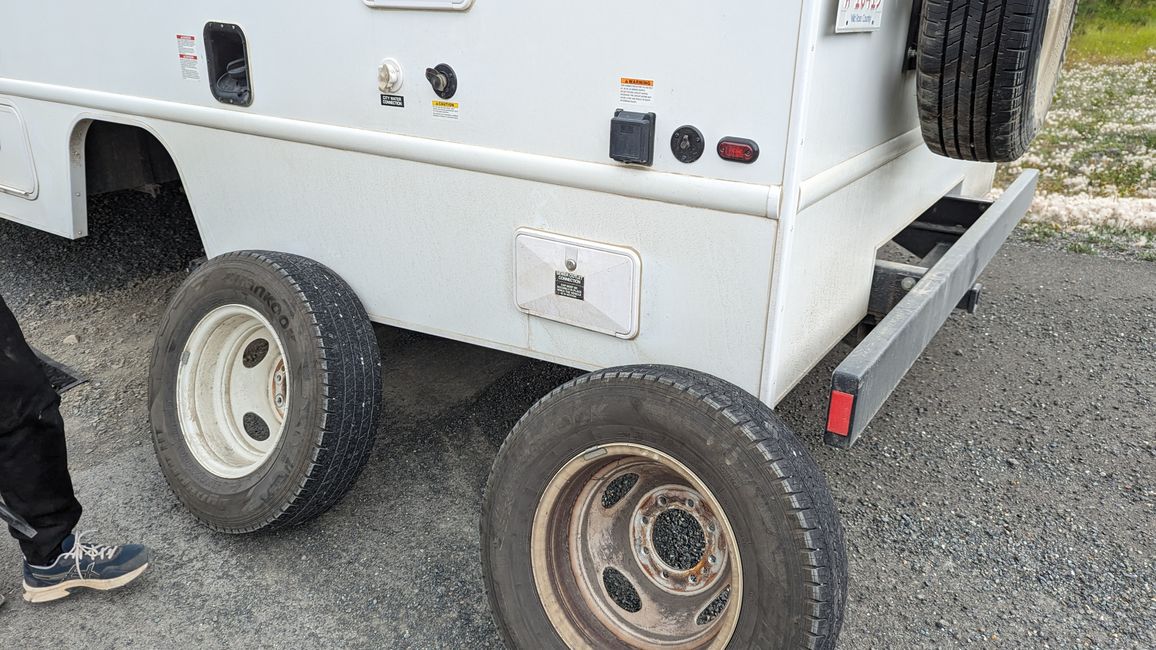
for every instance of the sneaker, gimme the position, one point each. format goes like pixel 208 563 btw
pixel 82 564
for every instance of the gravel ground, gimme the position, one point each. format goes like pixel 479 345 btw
pixel 1003 497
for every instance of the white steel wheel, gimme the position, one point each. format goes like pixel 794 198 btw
pixel 232 391
pixel 627 539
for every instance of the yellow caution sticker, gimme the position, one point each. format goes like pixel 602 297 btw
pixel 446 110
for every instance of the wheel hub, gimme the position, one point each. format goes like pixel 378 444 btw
pixel 677 540
pixel 629 546
pixel 232 391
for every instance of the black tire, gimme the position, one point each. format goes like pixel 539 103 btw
pixel 787 528
pixel 986 73
pixel 335 386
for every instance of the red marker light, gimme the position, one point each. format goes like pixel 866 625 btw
pixel 839 417
pixel 738 150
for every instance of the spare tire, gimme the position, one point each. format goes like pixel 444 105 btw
pixel 986 73
pixel 265 390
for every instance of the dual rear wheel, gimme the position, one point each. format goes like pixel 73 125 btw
pixel 642 507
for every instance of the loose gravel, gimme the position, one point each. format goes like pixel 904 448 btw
pixel 1003 497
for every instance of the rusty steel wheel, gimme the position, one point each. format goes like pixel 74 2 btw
pixel 627 540
pixel 660 508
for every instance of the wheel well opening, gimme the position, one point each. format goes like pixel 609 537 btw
pixel 125 157
pixel 128 193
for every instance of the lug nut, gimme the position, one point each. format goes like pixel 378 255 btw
pixel 662 501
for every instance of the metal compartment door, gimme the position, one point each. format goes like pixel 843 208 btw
pixel 17 173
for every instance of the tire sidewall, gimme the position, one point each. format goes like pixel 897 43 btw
pixel 1043 80
pixel 249 502
pixel 774 606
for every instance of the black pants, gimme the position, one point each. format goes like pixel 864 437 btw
pixel 34 479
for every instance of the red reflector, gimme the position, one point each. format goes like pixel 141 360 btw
pixel 738 150
pixel 839 417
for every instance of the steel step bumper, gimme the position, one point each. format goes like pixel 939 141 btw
pixel 867 376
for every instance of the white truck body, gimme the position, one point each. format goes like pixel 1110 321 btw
pixel 751 272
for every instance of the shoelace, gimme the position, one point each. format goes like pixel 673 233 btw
pixel 80 550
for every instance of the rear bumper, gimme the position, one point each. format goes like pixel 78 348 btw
pixel 866 378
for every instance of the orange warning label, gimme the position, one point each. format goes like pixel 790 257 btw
pixel 635 91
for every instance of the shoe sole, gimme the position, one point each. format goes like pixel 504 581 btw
pixel 64 589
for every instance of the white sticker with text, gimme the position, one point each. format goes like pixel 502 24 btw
pixel 187 54
pixel 859 16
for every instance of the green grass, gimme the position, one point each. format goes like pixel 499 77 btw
pixel 1093 239
pixel 1114 31
pixel 1038 231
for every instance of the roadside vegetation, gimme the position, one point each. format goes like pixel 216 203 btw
pixel 1114 31
pixel 1097 152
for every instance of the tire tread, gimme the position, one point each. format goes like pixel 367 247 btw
pixel 974 76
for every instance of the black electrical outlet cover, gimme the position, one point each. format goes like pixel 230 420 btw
pixel 632 137
pixel 687 144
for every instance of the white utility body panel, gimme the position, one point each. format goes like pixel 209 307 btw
pixel 457 216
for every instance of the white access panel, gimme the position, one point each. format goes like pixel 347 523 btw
pixel 455 5
pixel 582 283
pixel 17 174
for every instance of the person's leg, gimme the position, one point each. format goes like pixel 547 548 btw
pixel 34 479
